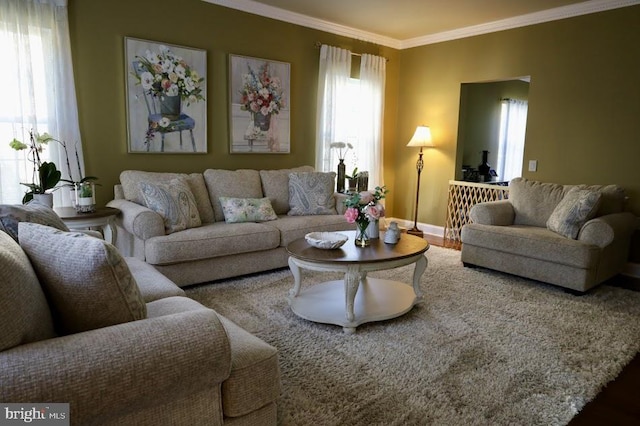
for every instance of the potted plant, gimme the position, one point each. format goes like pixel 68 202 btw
pixel 353 180
pixel 83 189
pixel 45 174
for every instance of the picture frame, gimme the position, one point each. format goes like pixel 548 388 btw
pixel 166 90
pixel 259 107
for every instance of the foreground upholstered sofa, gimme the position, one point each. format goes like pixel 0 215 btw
pixel 574 236
pixel 215 248
pixel 120 342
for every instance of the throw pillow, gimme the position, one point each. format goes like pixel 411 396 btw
pixel 130 180
pixel 174 201
pixel 86 280
pixel 11 215
pixel 24 313
pixel 238 210
pixel 577 207
pixel 275 185
pixel 311 193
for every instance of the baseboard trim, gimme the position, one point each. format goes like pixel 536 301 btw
pixel 434 230
pixel 632 270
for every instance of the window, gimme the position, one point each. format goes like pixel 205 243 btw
pixel 513 123
pixel 14 166
pixel 350 110
pixel 38 91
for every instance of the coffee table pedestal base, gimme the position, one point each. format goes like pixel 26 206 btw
pixel 375 300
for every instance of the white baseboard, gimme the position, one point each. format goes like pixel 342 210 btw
pixel 437 231
pixel 632 270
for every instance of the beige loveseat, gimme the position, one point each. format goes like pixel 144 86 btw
pixel 216 249
pixel 574 236
pixel 120 342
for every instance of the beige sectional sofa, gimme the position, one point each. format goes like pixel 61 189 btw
pixel 216 249
pixel 117 340
pixel 574 236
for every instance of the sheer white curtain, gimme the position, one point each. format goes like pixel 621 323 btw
pixel 38 90
pixel 513 123
pixel 332 108
pixel 371 107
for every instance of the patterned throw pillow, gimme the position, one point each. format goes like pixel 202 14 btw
pixel 87 282
pixel 174 202
pixel 11 215
pixel 311 193
pixel 275 185
pixel 575 208
pixel 238 210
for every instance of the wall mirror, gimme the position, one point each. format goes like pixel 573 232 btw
pixel 491 130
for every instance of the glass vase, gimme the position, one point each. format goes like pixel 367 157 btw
pixel 362 239
pixel 85 197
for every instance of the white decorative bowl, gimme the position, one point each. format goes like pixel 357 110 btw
pixel 326 240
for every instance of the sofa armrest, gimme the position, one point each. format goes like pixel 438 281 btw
pixel 138 220
pixel 340 199
pixel 119 369
pixel 603 230
pixel 499 213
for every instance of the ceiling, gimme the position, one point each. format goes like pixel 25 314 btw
pixel 408 23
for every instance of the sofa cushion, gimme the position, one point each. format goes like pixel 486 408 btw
pixel 87 282
pixel 237 210
pixel 275 185
pixel 11 215
pixel 533 202
pixel 533 242
pixel 311 193
pixel 294 227
pixel 24 313
pixel 174 201
pixel 243 183
pixel 612 201
pixel 211 240
pixel 130 180
pixel 577 206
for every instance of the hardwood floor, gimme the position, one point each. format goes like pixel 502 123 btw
pixel 618 404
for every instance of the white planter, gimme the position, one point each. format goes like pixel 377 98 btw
pixel 45 199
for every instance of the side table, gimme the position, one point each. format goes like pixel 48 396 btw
pixel 103 219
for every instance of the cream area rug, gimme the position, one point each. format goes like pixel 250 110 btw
pixel 485 348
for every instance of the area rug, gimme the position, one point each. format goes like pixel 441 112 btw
pixel 483 348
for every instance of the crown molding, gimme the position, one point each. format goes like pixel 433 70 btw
pixel 548 15
pixel 563 12
pixel 261 9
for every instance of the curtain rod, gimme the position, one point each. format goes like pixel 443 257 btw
pixel 318 45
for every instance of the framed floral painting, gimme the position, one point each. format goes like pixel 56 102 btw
pixel 166 97
pixel 259 111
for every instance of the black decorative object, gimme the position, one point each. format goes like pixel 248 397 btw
pixel 341 175
pixel 484 169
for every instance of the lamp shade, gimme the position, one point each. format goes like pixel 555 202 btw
pixel 422 137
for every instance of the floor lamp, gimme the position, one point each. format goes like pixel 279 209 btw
pixel 421 138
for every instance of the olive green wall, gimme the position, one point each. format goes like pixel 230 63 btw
pixel 582 126
pixel 584 103
pixel 97 30
pixel 479 120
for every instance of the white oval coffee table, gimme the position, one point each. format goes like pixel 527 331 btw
pixel 356 299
